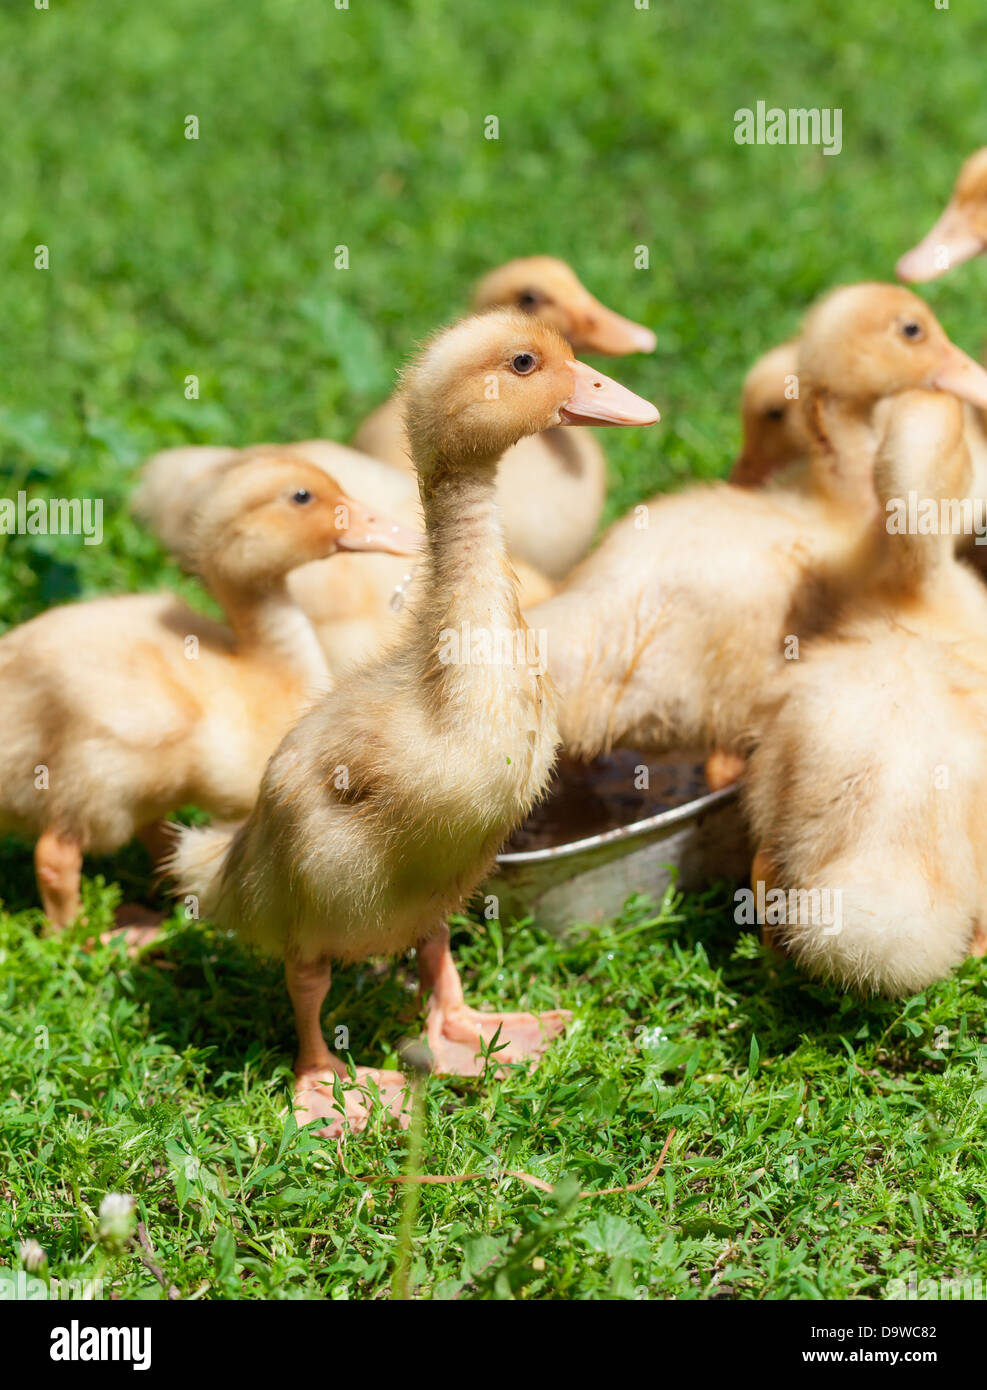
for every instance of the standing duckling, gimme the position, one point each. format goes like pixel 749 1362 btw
pixel 867 792
pixel 384 806
pixel 118 711
pixel 552 485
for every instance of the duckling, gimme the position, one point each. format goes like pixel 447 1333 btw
pixel 776 448
pixel 353 600
pixel 385 805
pixel 117 711
pixel 961 232
pixel 551 487
pixel 775 436
pixel 959 235
pixel 352 604
pixel 672 633
pixel 866 792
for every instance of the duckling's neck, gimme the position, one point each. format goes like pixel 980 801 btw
pixel 476 657
pixel 270 628
pixel 468 578
pixel 844 443
pixel 912 558
pixel 890 565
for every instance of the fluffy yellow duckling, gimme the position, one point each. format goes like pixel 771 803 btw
pixel 671 633
pixel 352 601
pixel 776 442
pixel 775 436
pixel 776 454
pixel 120 710
pixel 867 791
pixel 385 804
pixel 961 231
pixel 551 486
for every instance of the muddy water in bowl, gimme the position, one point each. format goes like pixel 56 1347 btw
pixel 606 831
pixel 590 798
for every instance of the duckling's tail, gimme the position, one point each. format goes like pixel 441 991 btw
pixel 197 865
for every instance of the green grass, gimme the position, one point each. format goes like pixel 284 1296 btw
pixel 845 1145
pixel 822 1146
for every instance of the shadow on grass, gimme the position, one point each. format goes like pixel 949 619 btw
pixel 202 990
pixel 779 1004
pixel 130 867
pixel 18 890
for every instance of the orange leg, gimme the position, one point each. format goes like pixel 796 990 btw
pixel 316 1068
pixel 456 1033
pixel 723 769
pixel 58 867
pixel 978 942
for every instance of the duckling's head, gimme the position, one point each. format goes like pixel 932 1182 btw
pixel 494 378
pixel 550 291
pixel 863 342
pixel 923 449
pixel 961 231
pixel 775 432
pixel 263 517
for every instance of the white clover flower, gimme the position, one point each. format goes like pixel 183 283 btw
pixel 116 1219
pixel 33 1256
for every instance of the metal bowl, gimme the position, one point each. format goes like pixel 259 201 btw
pixel 587 881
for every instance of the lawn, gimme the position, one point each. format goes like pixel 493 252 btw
pixel 822 1146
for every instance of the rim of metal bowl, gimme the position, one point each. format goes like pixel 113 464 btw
pixel 664 820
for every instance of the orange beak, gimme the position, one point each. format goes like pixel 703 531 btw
pixel 952 241
pixel 366 529
pixel 962 377
pixel 597 400
pixel 598 329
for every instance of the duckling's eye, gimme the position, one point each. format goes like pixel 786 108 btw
pixel 524 363
pixel 913 331
pixel 776 412
pixel 302 497
pixel 527 299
